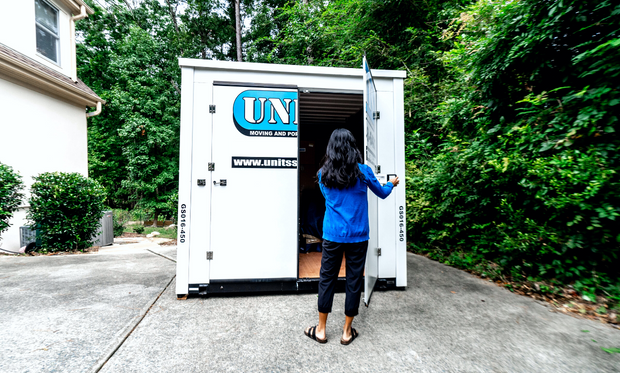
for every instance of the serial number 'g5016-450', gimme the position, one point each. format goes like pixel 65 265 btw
pixel 183 223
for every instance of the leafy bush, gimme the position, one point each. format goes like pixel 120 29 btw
pixel 67 208
pixel 118 229
pixel 10 196
pixel 527 172
pixel 173 206
pixel 121 217
pixel 140 214
pixel 139 229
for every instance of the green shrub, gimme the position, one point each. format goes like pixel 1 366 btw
pixel 10 196
pixel 118 228
pixel 138 229
pixel 67 207
pixel 173 206
pixel 121 217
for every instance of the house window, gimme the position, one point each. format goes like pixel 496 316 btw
pixel 47 29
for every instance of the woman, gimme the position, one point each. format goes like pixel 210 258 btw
pixel 343 180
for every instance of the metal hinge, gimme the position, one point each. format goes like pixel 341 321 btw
pixel 378 251
pixel 209 255
pixel 378 169
pixel 211 109
pixel 376 115
pixel 211 166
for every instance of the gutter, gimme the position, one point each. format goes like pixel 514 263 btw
pixel 20 73
pixel 96 112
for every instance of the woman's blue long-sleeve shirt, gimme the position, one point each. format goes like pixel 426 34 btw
pixel 346 210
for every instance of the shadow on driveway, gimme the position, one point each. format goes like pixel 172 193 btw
pixel 71 313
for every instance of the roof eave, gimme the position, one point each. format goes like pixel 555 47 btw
pixel 29 76
pixel 76 5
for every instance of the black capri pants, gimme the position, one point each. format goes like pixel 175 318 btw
pixel 355 256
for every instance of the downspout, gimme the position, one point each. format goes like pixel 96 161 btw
pixel 96 112
pixel 82 15
pixel 78 17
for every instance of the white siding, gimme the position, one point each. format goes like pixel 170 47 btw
pixel 17 31
pixel 38 134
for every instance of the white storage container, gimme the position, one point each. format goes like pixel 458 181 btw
pixel 252 138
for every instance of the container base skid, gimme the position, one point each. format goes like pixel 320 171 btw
pixel 268 286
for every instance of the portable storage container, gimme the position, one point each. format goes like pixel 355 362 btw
pixel 252 139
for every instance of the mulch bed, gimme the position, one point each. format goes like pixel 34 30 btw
pixel 132 234
pixel 171 242
pixel 90 250
pixel 569 302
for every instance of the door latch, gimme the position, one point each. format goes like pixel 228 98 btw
pixel 209 255
pixel 202 182
pixel 212 109
pixel 221 183
pixel 378 251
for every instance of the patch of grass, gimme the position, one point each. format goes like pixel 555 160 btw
pixel 164 232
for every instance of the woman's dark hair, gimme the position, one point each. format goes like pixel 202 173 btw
pixel 339 169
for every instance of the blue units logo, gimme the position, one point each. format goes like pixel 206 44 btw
pixel 266 113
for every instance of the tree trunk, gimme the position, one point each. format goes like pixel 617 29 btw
pixel 155 217
pixel 238 29
pixel 173 15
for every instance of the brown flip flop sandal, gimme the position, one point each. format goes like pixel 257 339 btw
pixel 354 335
pixel 311 333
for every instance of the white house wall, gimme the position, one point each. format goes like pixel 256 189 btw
pixel 18 31
pixel 38 134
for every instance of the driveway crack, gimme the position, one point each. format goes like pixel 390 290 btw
pixel 128 330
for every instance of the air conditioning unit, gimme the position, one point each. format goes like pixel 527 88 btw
pixel 103 237
pixel 105 234
pixel 27 235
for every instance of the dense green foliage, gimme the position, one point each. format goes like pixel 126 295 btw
pixel 511 115
pixel 10 194
pixel 129 58
pixel 66 208
pixel 129 55
pixel 526 174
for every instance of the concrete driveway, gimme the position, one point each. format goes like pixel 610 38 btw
pixel 116 311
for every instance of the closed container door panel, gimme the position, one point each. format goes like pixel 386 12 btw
pixel 371 149
pixel 195 198
pixel 254 183
pixel 387 212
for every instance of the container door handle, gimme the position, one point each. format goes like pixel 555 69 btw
pixel 221 183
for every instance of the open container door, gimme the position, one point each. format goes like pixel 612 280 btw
pixel 370 148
